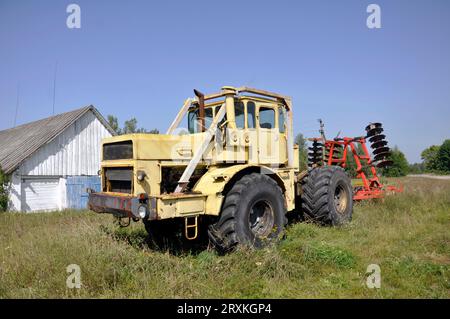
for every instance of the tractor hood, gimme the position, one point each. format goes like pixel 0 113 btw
pixel 153 146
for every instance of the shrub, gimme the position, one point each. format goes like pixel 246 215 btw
pixel 4 181
pixel 443 157
pixel 399 167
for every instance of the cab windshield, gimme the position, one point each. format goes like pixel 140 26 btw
pixel 194 125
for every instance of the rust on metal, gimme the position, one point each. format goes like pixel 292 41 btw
pixel 201 109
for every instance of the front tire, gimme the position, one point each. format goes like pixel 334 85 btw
pixel 253 214
pixel 327 196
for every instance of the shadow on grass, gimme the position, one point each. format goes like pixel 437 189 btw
pixel 174 242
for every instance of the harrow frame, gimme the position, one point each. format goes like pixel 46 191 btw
pixel 372 186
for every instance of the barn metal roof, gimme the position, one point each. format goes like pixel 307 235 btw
pixel 18 143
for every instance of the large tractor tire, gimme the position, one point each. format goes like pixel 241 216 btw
pixel 253 214
pixel 327 196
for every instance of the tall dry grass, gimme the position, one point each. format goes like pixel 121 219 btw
pixel 407 235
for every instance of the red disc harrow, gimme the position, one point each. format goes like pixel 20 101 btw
pixel 334 152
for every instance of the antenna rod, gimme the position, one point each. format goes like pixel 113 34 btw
pixel 17 104
pixel 54 87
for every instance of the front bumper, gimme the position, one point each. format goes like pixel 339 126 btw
pixel 121 205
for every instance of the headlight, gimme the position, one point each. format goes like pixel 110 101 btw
pixel 141 175
pixel 142 211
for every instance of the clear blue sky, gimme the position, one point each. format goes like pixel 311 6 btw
pixel 142 58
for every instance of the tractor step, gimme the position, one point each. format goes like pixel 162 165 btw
pixel 191 223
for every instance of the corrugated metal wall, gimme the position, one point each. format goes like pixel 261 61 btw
pixel 76 151
pixel 15 193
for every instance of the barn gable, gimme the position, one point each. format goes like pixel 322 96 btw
pixel 18 143
pixel 52 161
pixel 74 151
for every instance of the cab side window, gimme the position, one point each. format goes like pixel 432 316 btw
pixel 266 117
pixel 192 121
pixel 208 117
pixel 251 115
pixel 239 114
pixel 281 119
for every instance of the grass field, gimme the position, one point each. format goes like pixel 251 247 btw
pixel 407 235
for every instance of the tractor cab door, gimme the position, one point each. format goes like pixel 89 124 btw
pixel 271 134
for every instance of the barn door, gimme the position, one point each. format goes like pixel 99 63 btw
pixel 40 194
pixel 76 186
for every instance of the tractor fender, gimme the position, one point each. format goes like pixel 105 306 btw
pixel 218 181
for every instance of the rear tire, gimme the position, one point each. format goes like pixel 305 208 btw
pixel 253 214
pixel 327 196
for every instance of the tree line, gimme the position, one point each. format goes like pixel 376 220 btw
pixel 435 159
pixel 130 126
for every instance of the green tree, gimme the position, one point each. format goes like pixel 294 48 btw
pixel 4 182
pixel 416 168
pixel 114 123
pixel 443 157
pixel 399 167
pixel 429 157
pixel 350 165
pixel 300 140
pixel 129 127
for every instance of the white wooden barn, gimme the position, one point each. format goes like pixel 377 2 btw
pixel 52 161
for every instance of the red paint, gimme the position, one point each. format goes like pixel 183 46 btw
pixel 372 187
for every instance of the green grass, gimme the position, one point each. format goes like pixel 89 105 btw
pixel 407 235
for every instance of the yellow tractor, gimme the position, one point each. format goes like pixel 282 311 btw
pixel 234 171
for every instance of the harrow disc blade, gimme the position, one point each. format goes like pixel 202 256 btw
pixel 382 156
pixel 377 138
pixel 384 163
pixel 381 150
pixel 372 126
pixel 378 144
pixel 375 131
